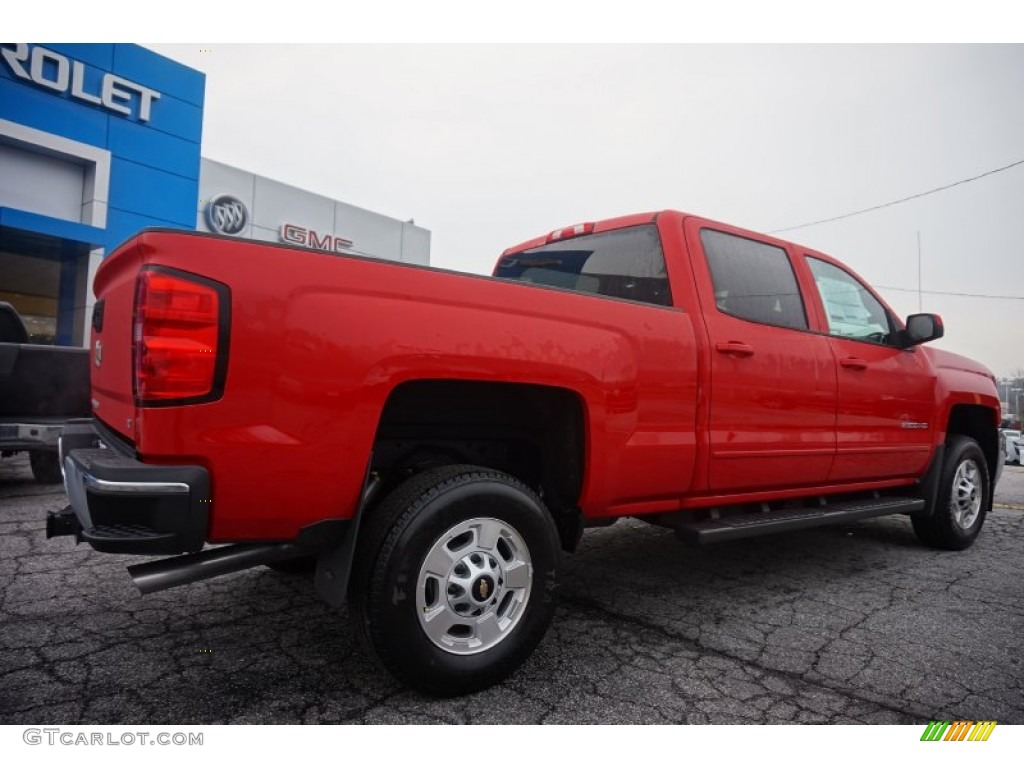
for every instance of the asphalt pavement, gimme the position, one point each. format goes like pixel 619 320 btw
pixel 847 624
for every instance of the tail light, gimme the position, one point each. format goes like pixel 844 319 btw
pixel 180 338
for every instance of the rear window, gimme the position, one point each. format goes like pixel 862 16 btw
pixel 623 264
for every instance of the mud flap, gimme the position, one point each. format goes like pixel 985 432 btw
pixel 334 565
pixel 928 488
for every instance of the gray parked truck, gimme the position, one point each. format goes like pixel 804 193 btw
pixel 42 387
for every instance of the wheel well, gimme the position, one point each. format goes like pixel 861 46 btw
pixel 977 421
pixel 534 433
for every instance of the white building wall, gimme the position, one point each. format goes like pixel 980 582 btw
pixel 53 176
pixel 40 184
pixel 415 244
pixel 271 204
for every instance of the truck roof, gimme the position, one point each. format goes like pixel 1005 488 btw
pixel 598 226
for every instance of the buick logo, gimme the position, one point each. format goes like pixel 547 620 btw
pixel 227 215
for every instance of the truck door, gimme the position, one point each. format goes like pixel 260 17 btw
pixel 773 381
pixel 886 396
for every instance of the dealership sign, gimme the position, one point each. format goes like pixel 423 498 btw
pixel 227 215
pixel 59 73
pixel 307 238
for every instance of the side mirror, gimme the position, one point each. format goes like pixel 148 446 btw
pixel 922 328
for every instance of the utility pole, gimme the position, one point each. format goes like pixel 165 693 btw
pixel 919 304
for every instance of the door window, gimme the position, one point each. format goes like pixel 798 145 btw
pixel 753 280
pixel 852 312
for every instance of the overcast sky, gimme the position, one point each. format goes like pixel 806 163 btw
pixel 487 146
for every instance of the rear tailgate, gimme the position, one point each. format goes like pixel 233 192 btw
pixel 113 400
pixel 43 382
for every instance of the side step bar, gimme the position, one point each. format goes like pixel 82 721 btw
pixel 781 521
pixel 176 571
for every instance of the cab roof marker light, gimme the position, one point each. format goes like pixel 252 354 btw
pixel 574 231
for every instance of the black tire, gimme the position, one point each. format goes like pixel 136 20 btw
pixel 392 586
pixel 964 465
pixel 45 466
pixel 299 565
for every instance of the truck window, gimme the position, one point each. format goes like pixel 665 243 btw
pixel 753 280
pixel 852 311
pixel 623 263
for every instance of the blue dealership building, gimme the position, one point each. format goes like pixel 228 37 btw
pixel 98 141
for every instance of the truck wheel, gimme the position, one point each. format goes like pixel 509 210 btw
pixel 453 582
pixel 45 466
pixel 963 495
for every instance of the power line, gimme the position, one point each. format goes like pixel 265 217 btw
pixel 951 293
pixel 901 200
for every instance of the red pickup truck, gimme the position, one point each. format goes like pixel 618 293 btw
pixel 432 440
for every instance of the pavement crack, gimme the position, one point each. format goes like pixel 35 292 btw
pixel 700 647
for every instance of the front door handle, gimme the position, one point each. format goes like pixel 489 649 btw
pixel 737 348
pixel 855 363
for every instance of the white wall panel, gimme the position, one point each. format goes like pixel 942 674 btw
pixel 371 233
pixel 271 204
pixel 41 184
pixel 277 203
pixel 415 244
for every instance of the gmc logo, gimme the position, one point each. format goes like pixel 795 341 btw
pixel 307 238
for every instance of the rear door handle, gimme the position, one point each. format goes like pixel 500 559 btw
pixel 737 348
pixel 855 363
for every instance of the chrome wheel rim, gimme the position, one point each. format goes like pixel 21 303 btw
pixel 967 494
pixel 474 586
